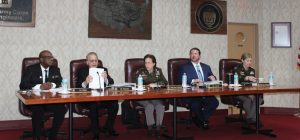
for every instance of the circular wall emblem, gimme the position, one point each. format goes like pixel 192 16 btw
pixel 209 16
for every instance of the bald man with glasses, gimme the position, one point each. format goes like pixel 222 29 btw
pixel 112 106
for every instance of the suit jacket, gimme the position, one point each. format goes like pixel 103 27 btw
pixel 191 73
pixel 84 72
pixel 33 76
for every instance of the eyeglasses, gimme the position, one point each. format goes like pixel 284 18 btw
pixel 93 60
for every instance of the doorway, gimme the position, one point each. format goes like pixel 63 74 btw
pixel 243 37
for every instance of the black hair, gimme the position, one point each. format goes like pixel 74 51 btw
pixel 196 50
pixel 152 57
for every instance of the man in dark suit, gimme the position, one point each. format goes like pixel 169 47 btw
pixel 198 73
pixel 112 106
pixel 44 76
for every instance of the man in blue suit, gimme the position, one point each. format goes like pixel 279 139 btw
pixel 198 73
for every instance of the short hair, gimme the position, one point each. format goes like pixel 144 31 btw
pixel 196 50
pixel 245 56
pixel 91 53
pixel 41 53
pixel 152 57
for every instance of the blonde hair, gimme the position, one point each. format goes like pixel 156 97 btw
pixel 245 56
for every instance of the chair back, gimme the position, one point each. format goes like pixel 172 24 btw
pixel 23 109
pixel 75 66
pixel 173 75
pixel 130 68
pixel 173 69
pixel 226 67
pixel 28 61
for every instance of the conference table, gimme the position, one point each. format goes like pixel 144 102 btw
pixel 171 92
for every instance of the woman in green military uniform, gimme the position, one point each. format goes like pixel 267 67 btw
pixel 152 76
pixel 247 75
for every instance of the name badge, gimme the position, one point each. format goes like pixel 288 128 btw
pixel 55 76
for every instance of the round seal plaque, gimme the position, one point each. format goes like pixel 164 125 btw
pixel 209 16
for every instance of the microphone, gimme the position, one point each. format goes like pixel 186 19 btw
pixel 99 79
pixel 157 75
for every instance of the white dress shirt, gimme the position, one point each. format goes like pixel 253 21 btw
pixel 38 86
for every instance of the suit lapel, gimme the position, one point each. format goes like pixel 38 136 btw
pixel 193 70
pixel 53 75
pixel 205 71
pixel 39 73
pixel 50 75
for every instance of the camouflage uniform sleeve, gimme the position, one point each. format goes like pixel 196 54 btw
pixel 162 78
pixel 253 72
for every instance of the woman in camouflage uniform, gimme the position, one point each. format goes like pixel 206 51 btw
pixel 247 75
pixel 152 76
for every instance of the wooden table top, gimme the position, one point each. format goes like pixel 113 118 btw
pixel 47 97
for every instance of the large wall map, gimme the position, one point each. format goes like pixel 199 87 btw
pixel 129 19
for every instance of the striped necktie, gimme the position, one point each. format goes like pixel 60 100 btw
pixel 199 72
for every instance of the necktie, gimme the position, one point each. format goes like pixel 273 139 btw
pixel 199 72
pixel 46 76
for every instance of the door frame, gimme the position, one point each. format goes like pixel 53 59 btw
pixel 256 47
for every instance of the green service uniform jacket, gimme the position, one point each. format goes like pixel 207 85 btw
pixel 155 77
pixel 242 73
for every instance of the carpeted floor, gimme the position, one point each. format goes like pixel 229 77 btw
pixel 285 127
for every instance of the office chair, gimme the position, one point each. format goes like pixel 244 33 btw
pixel 75 66
pixel 173 79
pixel 24 109
pixel 130 68
pixel 226 67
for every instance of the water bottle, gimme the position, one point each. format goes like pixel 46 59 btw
pixel 140 82
pixel 184 80
pixel 235 79
pixel 271 79
pixel 64 85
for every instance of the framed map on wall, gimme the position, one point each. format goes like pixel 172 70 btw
pixel 126 19
pixel 17 13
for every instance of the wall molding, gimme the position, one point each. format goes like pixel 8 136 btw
pixel 279 111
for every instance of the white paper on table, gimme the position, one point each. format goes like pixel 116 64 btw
pixel 98 80
pixel 97 93
pixel 37 92
pixel 54 90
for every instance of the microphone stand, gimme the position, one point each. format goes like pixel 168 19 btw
pixel 99 81
pixel 156 75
